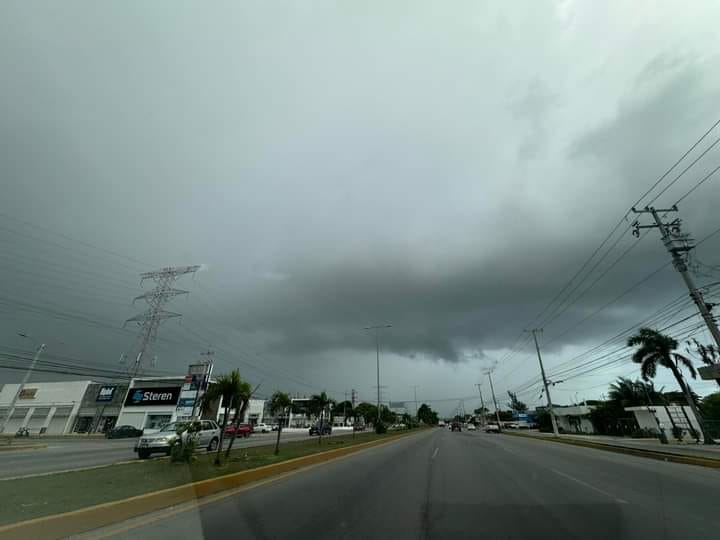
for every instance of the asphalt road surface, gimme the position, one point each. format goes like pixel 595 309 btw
pixel 65 455
pixel 439 484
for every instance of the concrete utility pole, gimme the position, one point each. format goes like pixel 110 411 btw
pixel 678 245
pixel 26 378
pixel 545 384
pixel 492 390
pixel 483 420
pixel 377 356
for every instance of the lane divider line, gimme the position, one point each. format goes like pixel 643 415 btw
pixel 435 453
pixel 589 486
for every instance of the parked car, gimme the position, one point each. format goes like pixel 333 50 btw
pixel 359 427
pixel 123 432
pixel 471 427
pixel 492 428
pixel 321 429
pixel 511 425
pixel 243 430
pixel 262 428
pixel 456 426
pixel 206 433
pixel 274 427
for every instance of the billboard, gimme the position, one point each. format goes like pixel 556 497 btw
pixel 106 393
pixel 141 397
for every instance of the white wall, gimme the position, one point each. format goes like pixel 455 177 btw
pixel 50 398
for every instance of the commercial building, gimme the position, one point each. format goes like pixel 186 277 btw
pixel 42 407
pixel 100 407
pixel 152 402
pixel 679 417
pixel 575 419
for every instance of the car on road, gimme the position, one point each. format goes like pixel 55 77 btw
pixel 441 423
pixel 456 426
pixel 492 428
pixel 471 427
pixel 123 432
pixel 243 430
pixel 205 432
pixel 262 428
pixel 321 429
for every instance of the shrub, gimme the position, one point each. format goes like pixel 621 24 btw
pixel 184 452
pixel 678 432
pixel 380 428
pixel 644 433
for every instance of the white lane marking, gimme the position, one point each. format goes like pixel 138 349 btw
pixel 617 499
pixel 435 453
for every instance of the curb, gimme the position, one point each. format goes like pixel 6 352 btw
pixel 13 448
pixel 101 515
pixel 639 452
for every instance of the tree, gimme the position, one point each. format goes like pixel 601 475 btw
pixel 515 404
pixel 711 407
pixel 244 397
pixel 709 354
pixel 386 415
pixel 629 393
pixel 346 409
pixel 655 349
pixel 427 415
pixel 228 389
pixel 366 411
pixel 318 406
pixel 280 402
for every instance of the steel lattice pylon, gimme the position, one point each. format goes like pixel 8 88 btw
pixel 149 321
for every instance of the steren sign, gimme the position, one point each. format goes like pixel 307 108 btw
pixel 141 397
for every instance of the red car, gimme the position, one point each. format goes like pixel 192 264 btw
pixel 243 430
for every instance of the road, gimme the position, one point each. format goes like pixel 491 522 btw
pixel 439 484
pixel 65 455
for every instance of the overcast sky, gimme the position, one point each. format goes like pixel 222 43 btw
pixel 444 169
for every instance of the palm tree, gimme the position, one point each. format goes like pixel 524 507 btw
pixel 655 349
pixel 226 388
pixel 280 402
pixel 629 393
pixel 245 393
pixel 318 404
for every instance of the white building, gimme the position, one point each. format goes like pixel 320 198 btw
pixel 43 407
pixel 667 417
pixel 151 402
pixel 575 419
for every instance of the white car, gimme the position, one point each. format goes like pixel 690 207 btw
pixel 492 428
pixel 471 427
pixel 262 428
pixel 207 435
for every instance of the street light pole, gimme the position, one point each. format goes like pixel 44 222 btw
pixel 545 384
pixel 26 378
pixel 377 360
pixel 415 387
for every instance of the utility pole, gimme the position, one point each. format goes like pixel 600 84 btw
pixel 483 420
pixel 545 384
pixel 679 244
pixel 415 387
pixel 26 378
pixel 377 357
pixel 492 390
pixel 150 320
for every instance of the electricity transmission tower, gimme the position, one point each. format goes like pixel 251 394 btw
pixel 149 321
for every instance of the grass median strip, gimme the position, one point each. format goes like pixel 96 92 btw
pixel 30 498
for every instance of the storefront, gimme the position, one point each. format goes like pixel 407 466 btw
pixel 43 408
pixel 151 402
pixel 100 407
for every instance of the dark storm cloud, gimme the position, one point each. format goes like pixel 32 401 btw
pixel 442 170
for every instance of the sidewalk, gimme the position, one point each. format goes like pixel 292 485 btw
pixel 652 445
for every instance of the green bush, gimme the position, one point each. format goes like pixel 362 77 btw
pixel 678 432
pixel 184 452
pixel 644 433
pixel 380 428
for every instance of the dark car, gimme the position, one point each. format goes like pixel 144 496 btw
pixel 123 432
pixel 456 426
pixel 321 429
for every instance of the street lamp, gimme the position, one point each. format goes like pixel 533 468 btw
pixel 377 357
pixel 26 378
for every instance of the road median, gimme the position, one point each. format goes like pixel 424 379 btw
pixel 82 519
pixel 672 457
